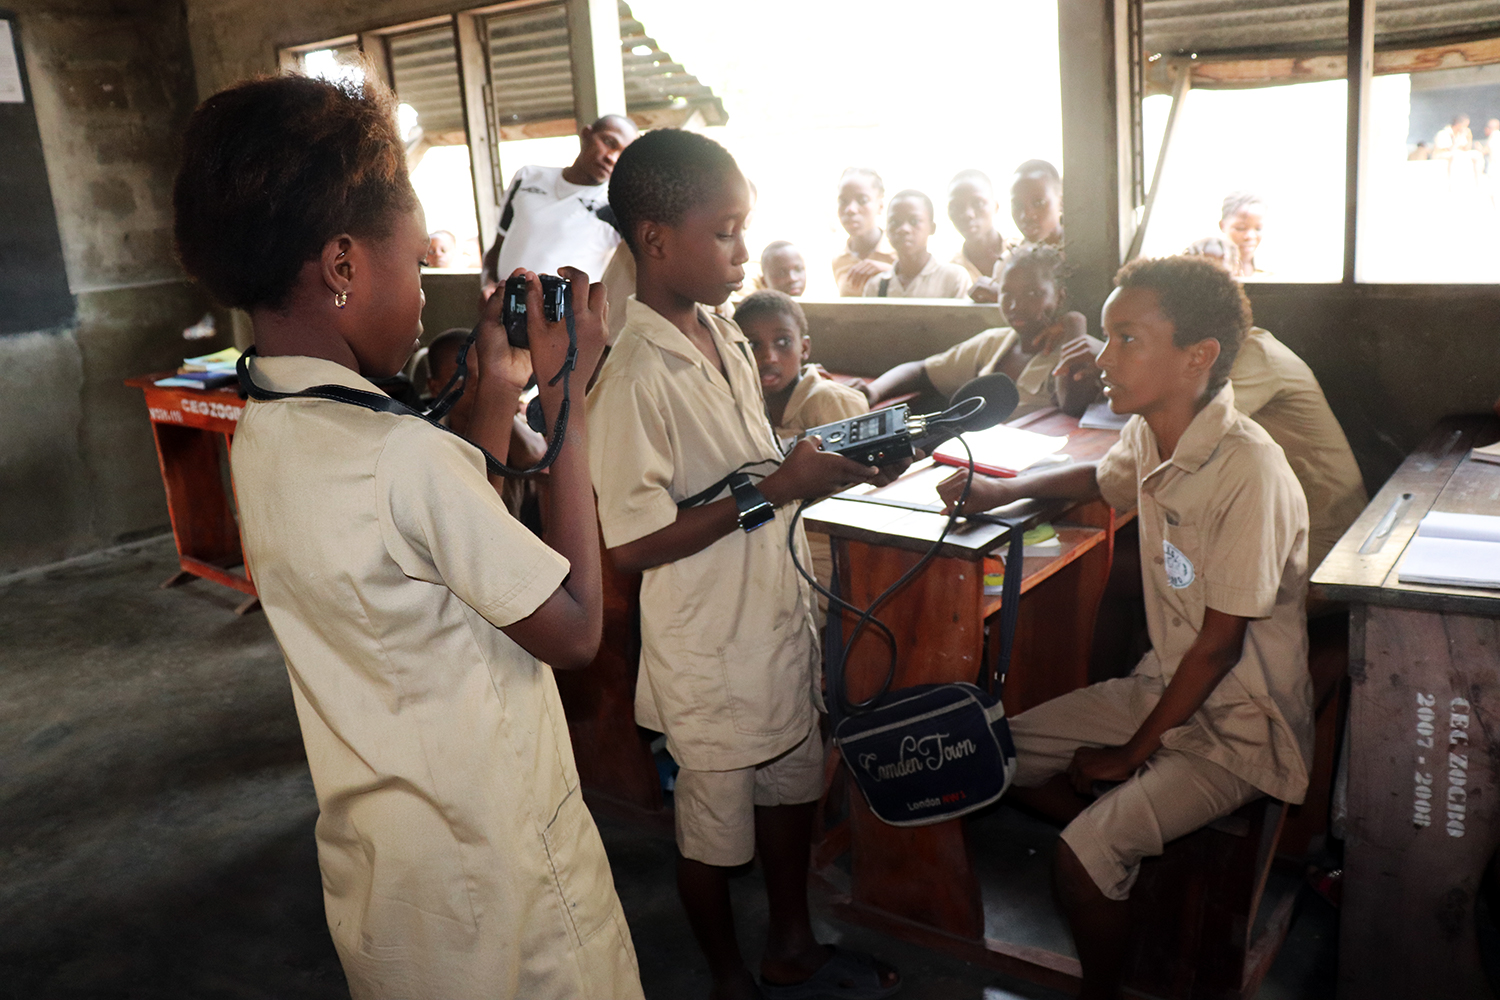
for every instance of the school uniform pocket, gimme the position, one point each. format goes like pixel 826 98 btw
pixel 1181 559
pixel 767 681
pixel 580 870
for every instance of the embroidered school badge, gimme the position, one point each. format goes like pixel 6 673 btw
pixel 1179 569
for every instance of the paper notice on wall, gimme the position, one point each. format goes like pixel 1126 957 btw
pixel 11 91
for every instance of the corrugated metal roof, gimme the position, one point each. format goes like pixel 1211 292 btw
pixel 532 81
pixel 424 74
pixel 1210 28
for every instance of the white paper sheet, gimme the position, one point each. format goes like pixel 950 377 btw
pixel 10 68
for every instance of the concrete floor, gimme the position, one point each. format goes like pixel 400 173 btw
pixel 156 816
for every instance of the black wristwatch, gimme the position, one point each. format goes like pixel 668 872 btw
pixel 754 508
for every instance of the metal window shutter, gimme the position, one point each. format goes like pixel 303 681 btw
pixel 1211 28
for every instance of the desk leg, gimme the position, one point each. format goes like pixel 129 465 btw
pixel 921 874
pixel 1424 802
pixel 202 522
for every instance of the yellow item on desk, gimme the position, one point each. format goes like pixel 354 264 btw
pixel 1039 541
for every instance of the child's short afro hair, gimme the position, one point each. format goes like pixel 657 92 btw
pixel 274 168
pixel 663 175
pixel 770 302
pixel 1202 300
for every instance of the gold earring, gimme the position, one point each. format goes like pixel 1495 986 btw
pixel 340 299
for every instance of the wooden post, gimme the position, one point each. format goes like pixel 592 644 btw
pixel 594 50
pixel 1361 69
pixel 1091 163
pixel 473 77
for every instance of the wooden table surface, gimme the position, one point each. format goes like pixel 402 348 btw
pixel 1365 565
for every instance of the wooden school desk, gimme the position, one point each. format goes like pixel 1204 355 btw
pixel 188 425
pixel 921 883
pixel 1424 735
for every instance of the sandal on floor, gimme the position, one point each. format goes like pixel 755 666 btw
pixel 847 975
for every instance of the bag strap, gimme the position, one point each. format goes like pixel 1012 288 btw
pixel 381 403
pixel 1010 610
pixel 1010 607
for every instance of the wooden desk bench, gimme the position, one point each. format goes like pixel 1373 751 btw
pixel 1424 735
pixel 189 426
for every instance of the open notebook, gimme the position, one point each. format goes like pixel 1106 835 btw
pixel 1454 550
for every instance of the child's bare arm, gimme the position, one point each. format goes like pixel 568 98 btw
pixel 1077 375
pixel 1214 653
pixel 1070 482
pixel 904 378
pixel 565 631
pixel 807 472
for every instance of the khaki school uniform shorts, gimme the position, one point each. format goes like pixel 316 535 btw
pixel 1172 795
pixel 716 809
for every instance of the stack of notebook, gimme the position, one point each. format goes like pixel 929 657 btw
pixel 208 371
pixel 1454 550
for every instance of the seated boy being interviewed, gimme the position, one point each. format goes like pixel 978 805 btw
pixel 1219 711
pixel 414 613
pixel 1033 299
pixel 693 493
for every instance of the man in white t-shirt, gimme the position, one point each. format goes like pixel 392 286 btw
pixel 556 216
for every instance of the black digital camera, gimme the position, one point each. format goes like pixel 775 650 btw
pixel 557 302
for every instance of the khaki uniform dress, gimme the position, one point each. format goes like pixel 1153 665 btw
pixel 981 354
pixel 1278 391
pixel 1223 525
pixel 936 280
pixel 458 859
pixel 883 253
pixel 729 648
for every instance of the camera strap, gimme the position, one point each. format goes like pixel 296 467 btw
pixel 381 403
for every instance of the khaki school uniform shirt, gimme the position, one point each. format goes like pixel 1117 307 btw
pixel 1224 525
pixel 936 280
pixel 1278 391
pixel 974 273
pixel 729 649
pixel 817 401
pixel 458 859
pixel 844 261
pixel 981 354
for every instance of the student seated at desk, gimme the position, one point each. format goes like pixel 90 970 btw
pixel 693 494
pixel 797 395
pixel 1033 300
pixel 1219 711
pixel 916 274
pixel 1276 389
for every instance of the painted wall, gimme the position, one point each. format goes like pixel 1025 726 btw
pixel 111 86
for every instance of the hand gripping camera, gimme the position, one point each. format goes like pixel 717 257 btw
pixel 557 304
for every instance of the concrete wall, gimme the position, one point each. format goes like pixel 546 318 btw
pixel 112 85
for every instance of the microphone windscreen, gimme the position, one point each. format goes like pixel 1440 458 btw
pixel 1000 400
